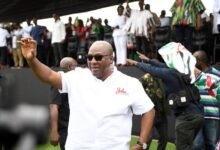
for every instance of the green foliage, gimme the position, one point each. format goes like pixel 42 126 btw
pixel 153 146
pixel 47 147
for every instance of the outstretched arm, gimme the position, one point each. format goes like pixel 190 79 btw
pixel 128 9
pixel 150 61
pixel 43 72
pixel 142 57
pixel 163 73
pixel 127 3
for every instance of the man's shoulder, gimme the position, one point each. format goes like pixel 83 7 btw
pixel 214 71
pixel 124 77
pixel 79 69
pixel 148 13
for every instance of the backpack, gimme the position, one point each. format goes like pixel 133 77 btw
pixel 189 93
pixel 154 89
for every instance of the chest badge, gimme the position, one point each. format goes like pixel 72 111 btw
pixel 121 91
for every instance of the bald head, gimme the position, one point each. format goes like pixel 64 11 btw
pixel 67 64
pixel 201 56
pixel 202 61
pixel 101 46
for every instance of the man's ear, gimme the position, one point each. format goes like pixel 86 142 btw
pixel 111 59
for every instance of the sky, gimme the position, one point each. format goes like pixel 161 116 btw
pixel 110 12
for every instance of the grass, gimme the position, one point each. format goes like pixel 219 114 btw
pixel 153 145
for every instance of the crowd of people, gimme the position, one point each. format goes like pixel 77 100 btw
pixel 131 30
pixel 63 40
pixel 113 97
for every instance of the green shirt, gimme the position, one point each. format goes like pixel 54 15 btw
pixel 185 12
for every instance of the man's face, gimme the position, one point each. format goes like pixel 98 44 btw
pixel 141 5
pixel 120 10
pixel 54 16
pixel 99 62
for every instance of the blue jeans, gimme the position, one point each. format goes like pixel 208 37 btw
pixel 207 136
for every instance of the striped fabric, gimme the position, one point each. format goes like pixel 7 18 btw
pixel 214 71
pixel 185 12
pixel 210 98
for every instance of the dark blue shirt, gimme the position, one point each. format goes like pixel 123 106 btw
pixel 170 80
pixel 37 33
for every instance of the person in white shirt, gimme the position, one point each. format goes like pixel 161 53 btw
pixel 139 23
pixel 101 100
pixel 58 39
pixel 164 21
pixel 120 37
pixel 16 50
pixel 3 47
pixel 27 29
pixel 216 10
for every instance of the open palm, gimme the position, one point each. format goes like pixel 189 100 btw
pixel 28 47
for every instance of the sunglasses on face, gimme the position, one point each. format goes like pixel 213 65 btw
pixel 97 57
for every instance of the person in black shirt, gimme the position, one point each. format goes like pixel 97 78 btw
pixel 59 108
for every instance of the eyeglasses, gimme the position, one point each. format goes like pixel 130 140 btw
pixel 97 57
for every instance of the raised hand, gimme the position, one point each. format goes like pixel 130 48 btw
pixel 28 47
pixel 127 3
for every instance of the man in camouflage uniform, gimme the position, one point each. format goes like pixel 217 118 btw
pixel 154 88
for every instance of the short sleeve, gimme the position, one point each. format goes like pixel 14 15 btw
pixel 73 78
pixel 64 80
pixel 142 103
